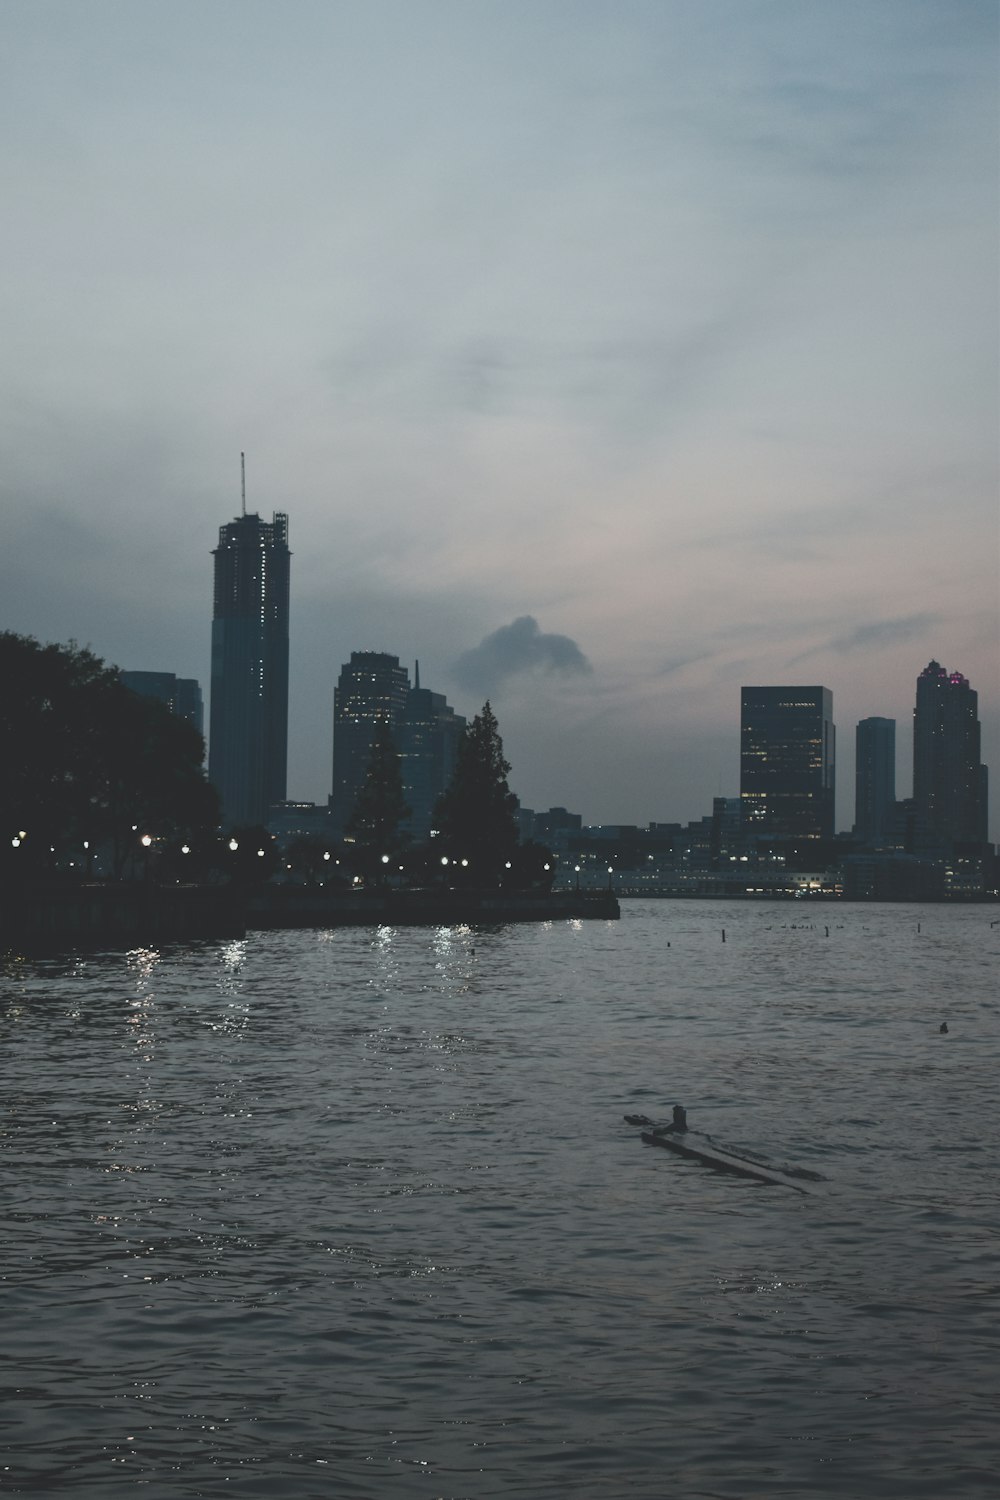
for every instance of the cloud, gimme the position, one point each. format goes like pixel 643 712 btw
pixel 675 664
pixel 514 649
pixel 884 632
pixel 876 634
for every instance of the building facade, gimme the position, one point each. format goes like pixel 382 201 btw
pixel 248 725
pixel 371 691
pixel 182 695
pixel 874 778
pixel 787 762
pixel 428 735
pixel 949 780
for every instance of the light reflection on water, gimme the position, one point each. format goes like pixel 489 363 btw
pixel 355 1213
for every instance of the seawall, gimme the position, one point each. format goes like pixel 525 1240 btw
pixel 42 917
pixel 298 906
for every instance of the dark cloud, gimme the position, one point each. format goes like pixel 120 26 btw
pixel 676 664
pixel 884 632
pixel 875 634
pixel 514 649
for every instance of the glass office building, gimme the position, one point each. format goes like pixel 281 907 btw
pixel 787 762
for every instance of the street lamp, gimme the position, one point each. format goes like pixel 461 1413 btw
pixel 234 845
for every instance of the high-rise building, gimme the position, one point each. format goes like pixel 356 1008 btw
pixel 248 739
pixel 182 695
pixel 428 735
pixel 949 781
pixel 874 778
pixel 787 762
pixel 726 830
pixel 371 691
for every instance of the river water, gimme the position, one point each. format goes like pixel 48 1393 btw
pixel 355 1213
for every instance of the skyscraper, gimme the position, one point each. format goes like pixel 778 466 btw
pixel 787 762
pixel 428 739
pixel 248 740
pixel 182 695
pixel 949 782
pixel 371 691
pixel 874 777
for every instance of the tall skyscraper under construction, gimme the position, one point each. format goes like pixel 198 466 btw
pixel 787 762
pixel 248 722
pixel 949 781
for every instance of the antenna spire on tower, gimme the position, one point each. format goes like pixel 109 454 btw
pixel 243 481
pixel 416 674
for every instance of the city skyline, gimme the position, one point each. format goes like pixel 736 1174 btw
pixel 610 366
pixel 788 751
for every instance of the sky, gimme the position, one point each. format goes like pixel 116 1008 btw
pixel 605 355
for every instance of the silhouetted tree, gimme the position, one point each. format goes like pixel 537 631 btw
pixel 380 807
pixel 476 815
pixel 86 759
pixel 149 775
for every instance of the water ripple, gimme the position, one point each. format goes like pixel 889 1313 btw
pixel 355 1212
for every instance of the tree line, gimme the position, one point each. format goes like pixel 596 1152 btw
pixel 88 763
pixel 91 765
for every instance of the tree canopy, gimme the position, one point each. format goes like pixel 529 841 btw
pixel 476 815
pixel 87 759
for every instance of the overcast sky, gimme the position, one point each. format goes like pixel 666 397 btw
pixel 606 355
